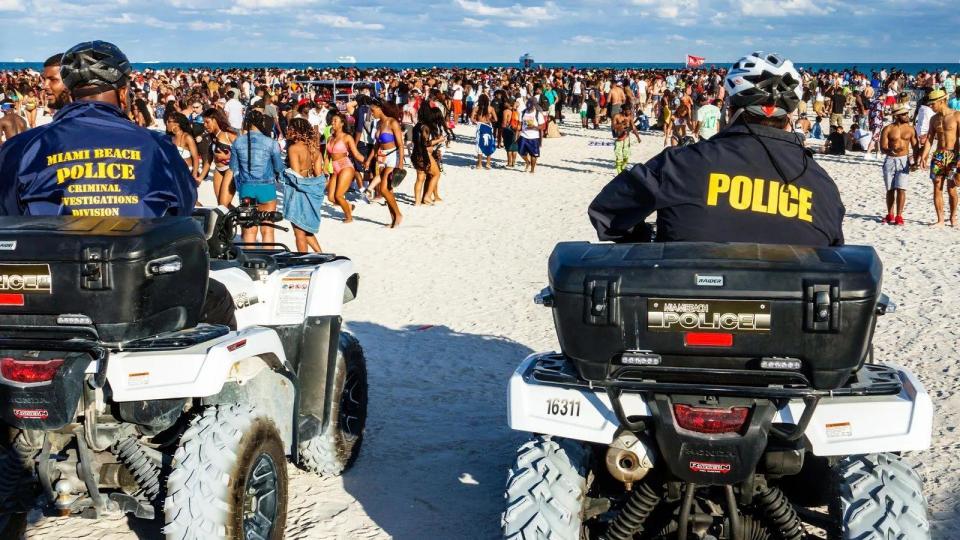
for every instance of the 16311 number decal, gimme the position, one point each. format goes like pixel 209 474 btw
pixel 563 407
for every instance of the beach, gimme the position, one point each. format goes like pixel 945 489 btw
pixel 445 314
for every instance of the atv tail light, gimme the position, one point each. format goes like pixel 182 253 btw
pixel 707 339
pixel 712 421
pixel 29 371
pixel 11 299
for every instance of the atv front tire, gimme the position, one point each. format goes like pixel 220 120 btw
pixel 229 478
pixel 333 451
pixel 546 490
pixel 881 498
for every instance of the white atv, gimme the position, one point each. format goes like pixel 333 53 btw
pixel 716 392
pixel 115 399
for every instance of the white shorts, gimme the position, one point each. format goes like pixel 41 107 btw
pixel 388 158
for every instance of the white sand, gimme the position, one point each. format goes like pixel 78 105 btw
pixel 445 313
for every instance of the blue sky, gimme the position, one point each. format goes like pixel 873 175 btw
pixel 487 30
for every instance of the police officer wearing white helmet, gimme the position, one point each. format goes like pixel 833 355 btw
pixel 754 181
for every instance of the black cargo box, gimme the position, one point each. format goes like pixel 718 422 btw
pixel 726 308
pixel 133 278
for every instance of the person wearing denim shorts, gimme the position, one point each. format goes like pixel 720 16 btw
pixel 256 164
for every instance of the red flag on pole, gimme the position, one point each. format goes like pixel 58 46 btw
pixel 695 61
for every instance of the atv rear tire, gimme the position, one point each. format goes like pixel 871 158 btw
pixel 333 451
pixel 229 478
pixel 546 490
pixel 881 498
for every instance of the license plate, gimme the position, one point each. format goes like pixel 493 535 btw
pixel 691 315
pixel 25 278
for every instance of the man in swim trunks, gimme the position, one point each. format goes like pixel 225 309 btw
pixel 945 130
pixel 897 142
pixel 623 126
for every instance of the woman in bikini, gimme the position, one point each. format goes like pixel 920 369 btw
pixel 436 119
pixel 222 136
pixel 304 184
pixel 340 148
pixel 30 105
pixel 179 129
pixel 388 153
pixel 426 137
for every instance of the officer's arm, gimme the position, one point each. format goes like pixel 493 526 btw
pixel 618 212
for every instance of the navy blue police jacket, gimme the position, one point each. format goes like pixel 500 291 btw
pixel 745 184
pixel 92 161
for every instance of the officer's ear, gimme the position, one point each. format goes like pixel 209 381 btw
pixel 123 95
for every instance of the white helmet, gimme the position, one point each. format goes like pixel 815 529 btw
pixel 764 84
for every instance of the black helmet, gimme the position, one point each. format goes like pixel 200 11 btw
pixel 764 84
pixel 97 64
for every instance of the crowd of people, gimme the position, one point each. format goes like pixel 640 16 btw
pixel 344 135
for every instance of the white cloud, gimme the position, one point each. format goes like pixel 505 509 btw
pixel 12 5
pixel 581 40
pixel 257 4
pixel 203 25
pixel 534 14
pixel 302 34
pixel 475 23
pixel 339 21
pixel 146 20
pixel 516 23
pixel 670 9
pixel 784 8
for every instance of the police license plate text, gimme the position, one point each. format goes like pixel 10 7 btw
pixel 686 315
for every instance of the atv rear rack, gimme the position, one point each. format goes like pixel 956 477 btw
pixel 870 380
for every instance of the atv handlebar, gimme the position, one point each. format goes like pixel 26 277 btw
pixel 221 241
pixel 246 215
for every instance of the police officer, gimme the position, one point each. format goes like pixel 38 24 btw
pixel 93 161
pixel 754 181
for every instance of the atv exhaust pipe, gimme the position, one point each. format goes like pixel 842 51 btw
pixel 629 459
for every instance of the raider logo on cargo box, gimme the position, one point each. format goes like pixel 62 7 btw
pixel 25 278
pixel 681 315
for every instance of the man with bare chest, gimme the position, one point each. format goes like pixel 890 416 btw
pixel 945 131
pixel 616 98
pixel 623 126
pixel 897 142
pixel 10 122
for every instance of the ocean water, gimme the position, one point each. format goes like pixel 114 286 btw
pixel 912 68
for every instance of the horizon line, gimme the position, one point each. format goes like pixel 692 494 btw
pixel 22 61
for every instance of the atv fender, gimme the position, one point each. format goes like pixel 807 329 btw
pixel 290 295
pixel 840 425
pixel 195 372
